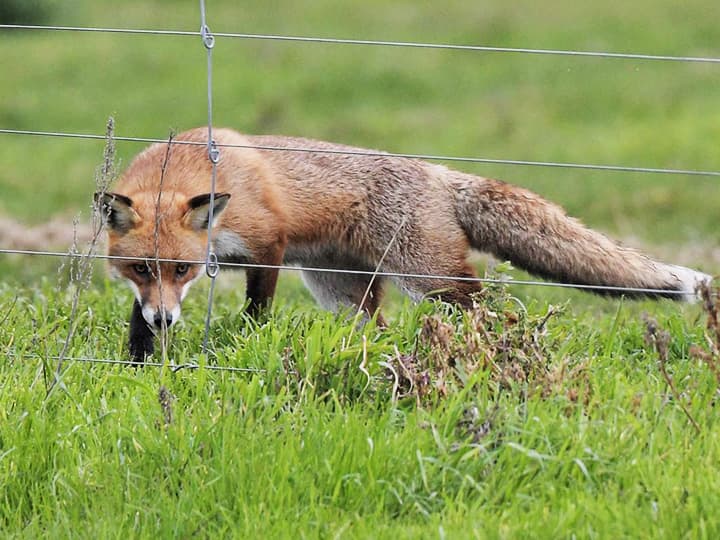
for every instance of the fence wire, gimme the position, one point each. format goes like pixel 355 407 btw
pixel 375 43
pixel 379 273
pixel 187 366
pixel 213 152
pixel 211 263
pixel 375 153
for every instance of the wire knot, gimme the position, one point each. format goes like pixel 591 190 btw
pixel 178 367
pixel 214 152
pixel 212 267
pixel 207 37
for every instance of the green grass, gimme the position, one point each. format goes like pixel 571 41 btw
pixel 581 438
pixel 586 439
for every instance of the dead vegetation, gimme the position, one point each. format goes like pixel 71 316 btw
pixel 709 353
pixel 80 263
pixel 659 339
pixel 166 400
pixel 497 337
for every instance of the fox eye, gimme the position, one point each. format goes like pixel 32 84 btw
pixel 182 269
pixel 141 269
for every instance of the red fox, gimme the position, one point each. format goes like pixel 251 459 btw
pixel 344 211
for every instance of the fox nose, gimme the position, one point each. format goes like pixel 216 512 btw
pixel 158 319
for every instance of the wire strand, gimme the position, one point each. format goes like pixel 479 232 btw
pixel 170 365
pixel 377 43
pixel 213 155
pixel 514 282
pixel 371 153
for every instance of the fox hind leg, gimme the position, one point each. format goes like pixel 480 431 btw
pixel 444 288
pixel 335 291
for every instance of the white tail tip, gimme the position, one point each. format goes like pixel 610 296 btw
pixel 690 281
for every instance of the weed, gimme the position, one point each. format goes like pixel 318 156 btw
pixel 81 266
pixel 165 399
pixel 496 336
pixel 710 354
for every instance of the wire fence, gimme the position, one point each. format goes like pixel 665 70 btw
pixel 211 262
pixel 371 153
pixel 187 366
pixel 213 154
pixel 375 43
pixel 349 271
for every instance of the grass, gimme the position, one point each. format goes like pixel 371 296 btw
pixel 586 439
pixel 444 424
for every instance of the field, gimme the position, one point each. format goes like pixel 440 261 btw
pixel 544 413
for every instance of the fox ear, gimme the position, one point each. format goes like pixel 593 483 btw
pixel 199 213
pixel 116 210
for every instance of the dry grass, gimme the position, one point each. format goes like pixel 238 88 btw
pixel 660 340
pixel 497 337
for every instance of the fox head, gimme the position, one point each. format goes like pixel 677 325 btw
pixel 152 238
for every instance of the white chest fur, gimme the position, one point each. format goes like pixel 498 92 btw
pixel 229 245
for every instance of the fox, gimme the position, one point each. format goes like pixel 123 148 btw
pixel 340 207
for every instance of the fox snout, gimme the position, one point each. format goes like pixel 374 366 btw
pixel 158 319
pixel 156 316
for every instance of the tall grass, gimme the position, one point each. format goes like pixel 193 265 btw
pixel 497 422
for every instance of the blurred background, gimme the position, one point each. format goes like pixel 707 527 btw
pixel 462 103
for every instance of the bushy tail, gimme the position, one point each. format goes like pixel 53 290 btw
pixel 517 225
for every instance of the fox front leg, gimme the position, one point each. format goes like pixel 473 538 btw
pixel 141 337
pixel 261 282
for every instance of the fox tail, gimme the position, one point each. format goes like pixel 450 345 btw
pixel 517 225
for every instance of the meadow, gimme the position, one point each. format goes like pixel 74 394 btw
pixel 543 413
